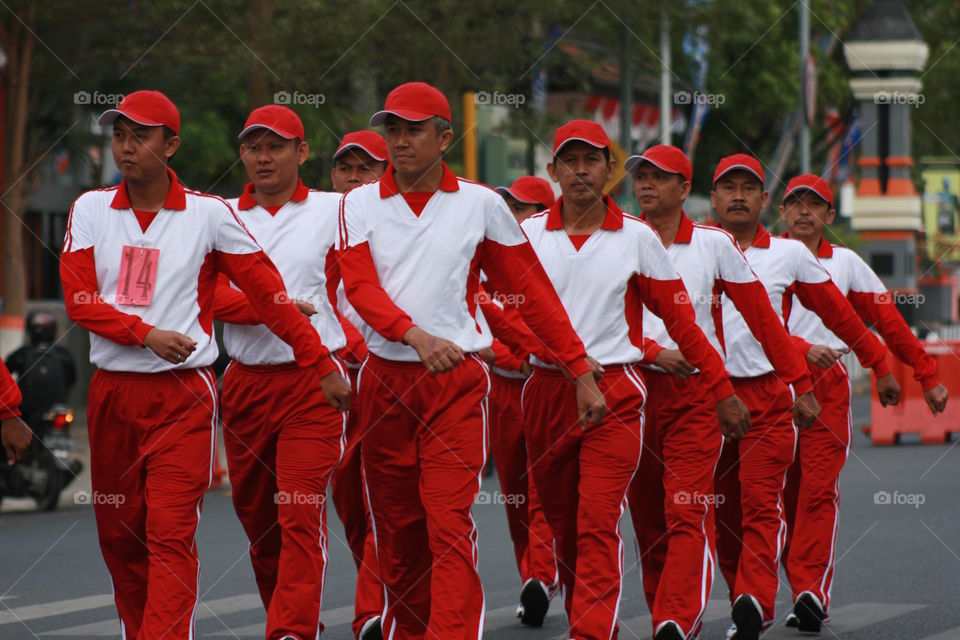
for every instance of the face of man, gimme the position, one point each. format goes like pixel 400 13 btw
pixel 353 168
pixel 271 160
pixel 581 170
pixel 806 214
pixel 737 198
pixel 521 210
pixel 141 152
pixel 415 147
pixel 659 191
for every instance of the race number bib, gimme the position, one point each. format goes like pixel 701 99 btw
pixel 138 276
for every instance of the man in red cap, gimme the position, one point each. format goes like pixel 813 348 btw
pixel 282 438
pixel 414 244
pixel 512 346
pixel 137 258
pixel 606 266
pixel 811 493
pixel 750 475
pixel 527 195
pixel 360 158
pixel 671 496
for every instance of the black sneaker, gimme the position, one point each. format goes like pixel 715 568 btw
pixel 535 602
pixel 669 631
pixel 746 616
pixel 792 621
pixel 371 630
pixel 809 612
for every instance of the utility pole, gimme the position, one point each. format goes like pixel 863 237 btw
pixel 666 86
pixel 804 142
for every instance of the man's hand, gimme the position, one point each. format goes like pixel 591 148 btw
pixel 16 437
pixel 805 410
pixel 888 390
pixel 820 355
pixel 336 390
pixel 936 398
pixel 672 361
pixel 437 354
pixel 170 345
pixel 734 417
pixel 596 368
pixel 591 404
pixel 488 356
pixel 304 307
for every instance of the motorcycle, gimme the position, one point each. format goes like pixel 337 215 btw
pixel 48 466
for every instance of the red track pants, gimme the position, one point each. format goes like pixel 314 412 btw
pixel 749 483
pixel 671 496
pixel 529 531
pixel 582 478
pixel 811 495
pixel 350 500
pixel 283 440
pixel 152 440
pixel 424 449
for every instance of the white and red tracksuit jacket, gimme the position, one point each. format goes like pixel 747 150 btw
pixel 119 280
pixel 402 270
pixel 787 268
pixel 10 397
pixel 710 264
pixel 872 302
pixel 300 239
pixel 605 284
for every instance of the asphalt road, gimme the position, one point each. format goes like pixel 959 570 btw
pixel 898 569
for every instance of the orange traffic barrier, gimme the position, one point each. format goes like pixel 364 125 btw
pixel 913 415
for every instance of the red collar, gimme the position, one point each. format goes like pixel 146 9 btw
pixel 176 196
pixel 612 221
pixel 247 201
pixel 825 250
pixel 388 183
pixel 684 231
pixel 762 239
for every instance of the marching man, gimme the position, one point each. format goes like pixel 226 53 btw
pixel 671 496
pixel 414 244
pixel 811 493
pixel 139 270
pixel 360 158
pixel 750 475
pixel 606 266
pixel 282 436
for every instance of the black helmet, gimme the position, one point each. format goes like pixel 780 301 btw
pixel 41 327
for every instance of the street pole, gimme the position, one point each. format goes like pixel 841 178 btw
pixel 666 88
pixel 804 142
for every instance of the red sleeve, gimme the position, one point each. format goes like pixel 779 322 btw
pixel 505 357
pixel 231 305
pixel 880 311
pixel 751 300
pixel 257 276
pixel 669 300
pixel 356 350
pixel 802 345
pixel 651 348
pixel 365 293
pixel 516 269
pixel 509 329
pixel 826 300
pixel 78 274
pixel 10 397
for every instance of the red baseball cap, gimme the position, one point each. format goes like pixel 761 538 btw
pixel 149 108
pixel 739 162
pixel 583 131
pixel 666 158
pixel 415 102
pixel 530 190
pixel 808 181
pixel 370 142
pixel 277 118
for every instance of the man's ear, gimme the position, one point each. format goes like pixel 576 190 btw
pixel 170 146
pixel 446 139
pixel 552 172
pixel 303 152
